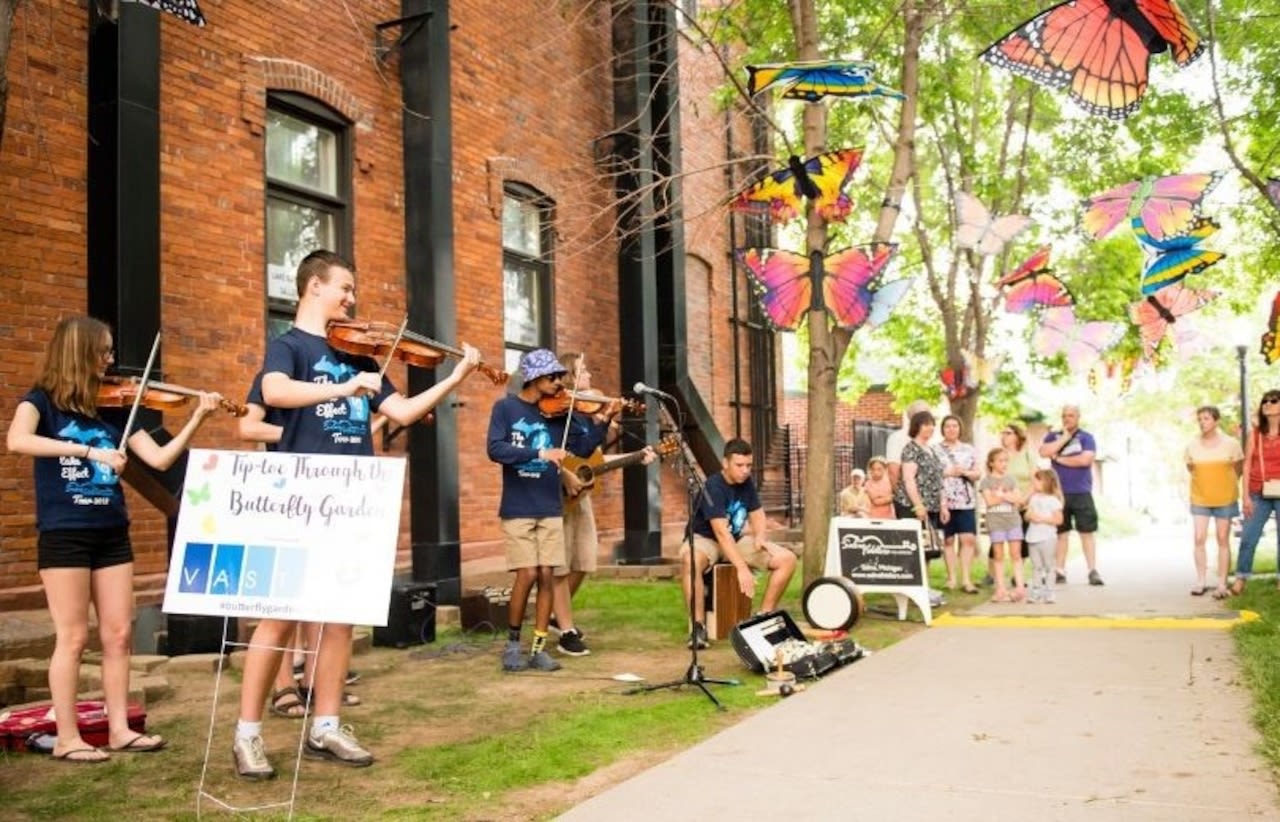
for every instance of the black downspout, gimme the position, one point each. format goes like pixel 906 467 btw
pixel 632 166
pixel 123 243
pixel 430 292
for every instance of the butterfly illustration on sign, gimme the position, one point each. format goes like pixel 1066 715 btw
pixel 1156 315
pixel 814 79
pixel 1165 205
pixel 820 179
pixel 1271 337
pixel 978 230
pixel 851 288
pixel 1172 259
pixel 1032 285
pixel 1081 342
pixel 1099 49
pixel 197 496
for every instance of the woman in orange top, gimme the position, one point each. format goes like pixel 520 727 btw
pixel 1214 461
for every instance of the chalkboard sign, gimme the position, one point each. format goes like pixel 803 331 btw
pixel 881 555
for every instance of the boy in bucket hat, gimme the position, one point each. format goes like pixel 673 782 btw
pixel 528 446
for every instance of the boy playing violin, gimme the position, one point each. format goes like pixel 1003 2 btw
pixel 530 448
pixel 324 399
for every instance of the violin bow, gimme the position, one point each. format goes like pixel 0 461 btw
pixel 142 389
pixel 573 396
pixel 394 345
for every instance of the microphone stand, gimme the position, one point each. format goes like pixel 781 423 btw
pixel 696 495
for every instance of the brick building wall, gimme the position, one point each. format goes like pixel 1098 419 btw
pixel 875 405
pixel 530 100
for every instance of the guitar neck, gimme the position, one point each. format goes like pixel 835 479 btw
pixel 620 462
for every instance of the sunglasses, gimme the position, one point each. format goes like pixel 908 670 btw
pixel 1270 400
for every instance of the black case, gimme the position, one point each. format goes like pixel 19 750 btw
pixel 411 617
pixel 772 629
pixel 195 634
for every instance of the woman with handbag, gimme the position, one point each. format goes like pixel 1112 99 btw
pixel 1261 484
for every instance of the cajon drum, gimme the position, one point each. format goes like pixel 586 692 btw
pixel 728 605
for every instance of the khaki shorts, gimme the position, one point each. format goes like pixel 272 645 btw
pixel 533 541
pixel 756 557
pixel 581 543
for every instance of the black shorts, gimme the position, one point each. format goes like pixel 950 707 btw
pixel 91 548
pixel 1078 514
pixel 961 521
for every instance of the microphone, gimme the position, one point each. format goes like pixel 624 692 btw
pixel 641 388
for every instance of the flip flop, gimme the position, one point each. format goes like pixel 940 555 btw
pixel 137 745
pixel 1221 593
pixel 969 589
pixel 1199 592
pixel 77 755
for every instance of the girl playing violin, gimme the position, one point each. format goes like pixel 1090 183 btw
pixel 83 549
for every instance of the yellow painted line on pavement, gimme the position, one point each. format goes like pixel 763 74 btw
pixel 1226 621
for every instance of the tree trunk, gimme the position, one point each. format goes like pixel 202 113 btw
pixel 827 346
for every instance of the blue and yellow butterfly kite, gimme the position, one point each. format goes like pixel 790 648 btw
pixel 1171 259
pixel 815 79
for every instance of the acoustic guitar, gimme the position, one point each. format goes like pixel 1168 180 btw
pixel 587 469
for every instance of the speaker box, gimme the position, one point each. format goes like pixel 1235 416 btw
pixel 411 617
pixel 195 634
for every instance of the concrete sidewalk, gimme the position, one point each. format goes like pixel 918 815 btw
pixel 1122 722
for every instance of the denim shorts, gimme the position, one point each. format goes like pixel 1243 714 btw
pixel 1217 511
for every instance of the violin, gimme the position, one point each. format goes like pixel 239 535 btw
pixel 585 402
pixel 374 339
pixel 119 392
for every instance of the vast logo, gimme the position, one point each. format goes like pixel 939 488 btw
pixel 242 570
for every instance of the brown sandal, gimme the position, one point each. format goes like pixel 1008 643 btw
pixel 288 703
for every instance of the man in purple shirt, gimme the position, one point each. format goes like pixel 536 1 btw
pixel 1072 451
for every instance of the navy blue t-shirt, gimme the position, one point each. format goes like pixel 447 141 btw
pixel 731 502
pixel 272 415
pixel 517 431
pixel 337 426
pixel 73 492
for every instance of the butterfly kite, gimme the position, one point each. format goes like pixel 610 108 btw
pixel 954 383
pixel 1171 259
pixel 1060 332
pixel 1100 49
pixel 812 80
pixel 851 290
pixel 1165 205
pixel 1156 315
pixel 1032 285
pixel 977 229
pixel 188 10
pixel 1110 370
pixel 1273 191
pixel 821 179
pixel 1271 338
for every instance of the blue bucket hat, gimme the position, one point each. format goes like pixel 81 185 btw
pixel 540 363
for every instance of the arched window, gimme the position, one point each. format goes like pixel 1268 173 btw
pixel 308 190
pixel 526 272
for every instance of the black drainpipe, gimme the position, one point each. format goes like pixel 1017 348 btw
pixel 430 291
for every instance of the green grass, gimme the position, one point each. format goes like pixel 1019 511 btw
pixel 1258 644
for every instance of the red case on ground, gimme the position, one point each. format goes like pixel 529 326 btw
pixel 19 724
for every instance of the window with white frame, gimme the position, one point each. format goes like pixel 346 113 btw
pixel 526 272
pixel 308 190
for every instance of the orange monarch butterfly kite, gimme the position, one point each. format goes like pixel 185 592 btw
pixel 1100 49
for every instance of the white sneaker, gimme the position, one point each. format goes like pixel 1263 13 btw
pixel 251 759
pixel 338 745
